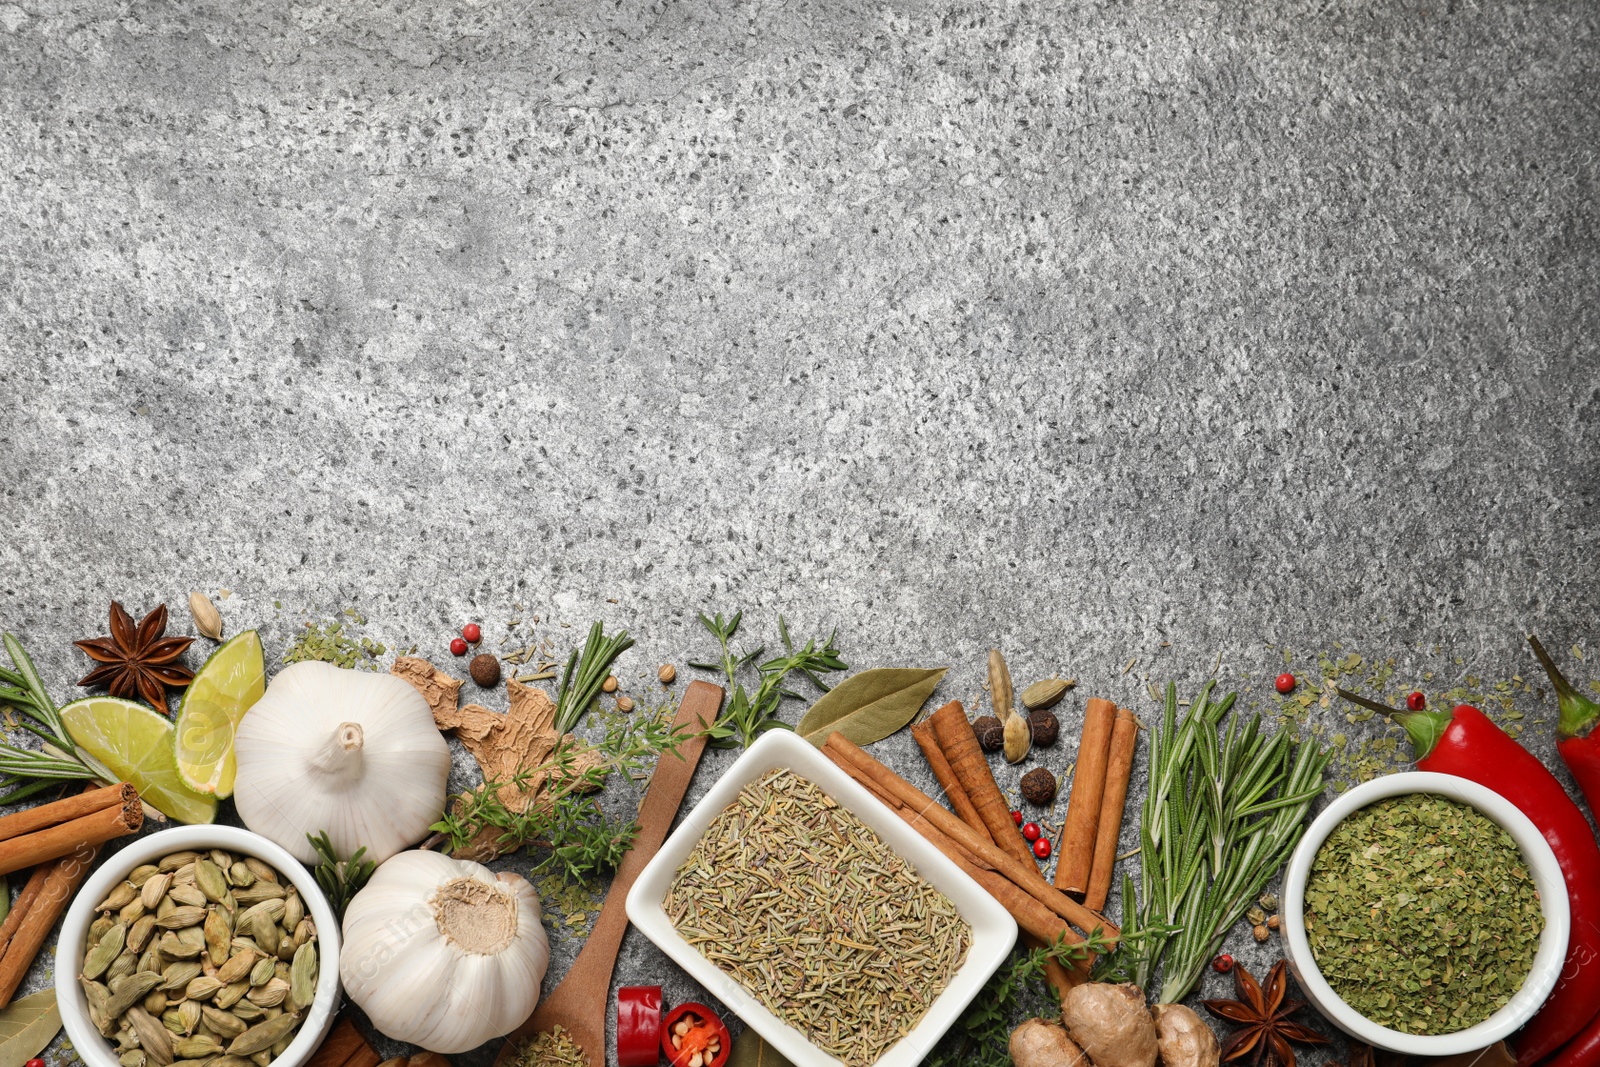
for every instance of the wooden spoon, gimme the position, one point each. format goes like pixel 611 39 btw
pixel 578 1003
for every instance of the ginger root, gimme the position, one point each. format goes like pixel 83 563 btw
pixel 1183 1038
pixel 1041 1043
pixel 1111 1024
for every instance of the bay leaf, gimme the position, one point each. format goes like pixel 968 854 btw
pixel 26 1027
pixel 751 1050
pixel 871 705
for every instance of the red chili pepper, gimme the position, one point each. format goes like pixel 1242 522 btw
pixel 1467 744
pixel 1579 742
pixel 639 1026
pixel 704 1038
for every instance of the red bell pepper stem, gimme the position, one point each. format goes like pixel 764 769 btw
pixel 1577 739
pixel 1467 744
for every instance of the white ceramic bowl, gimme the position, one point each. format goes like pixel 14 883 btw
pixel 94 1049
pixel 1547 960
pixel 993 930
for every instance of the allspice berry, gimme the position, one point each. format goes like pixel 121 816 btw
pixel 1039 786
pixel 667 674
pixel 1046 727
pixel 609 685
pixel 485 669
pixel 991 735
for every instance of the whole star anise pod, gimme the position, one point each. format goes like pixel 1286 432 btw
pixel 1264 1015
pixel 137 660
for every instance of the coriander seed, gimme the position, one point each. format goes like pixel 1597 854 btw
pixel 609 685
pixel 667 674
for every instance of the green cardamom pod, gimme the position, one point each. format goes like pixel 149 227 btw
pixel 179 974
pixel 241 874
pixel 294 909
pixel 139 933
pixel 210 879
pixel 305 931
pixel 133 1058
pixel 260 870
pixel 152 959
pixel 122 966
pixel 1046 693
pixel 110 947
pixel 175 860
pixel 97 995
pixel 155 1002
pixel 237 967
pixel 272 909
pixel 232 995
pixel 262 1036
pixel 228 1061
pixel 225 1023
pixel 152 1035
pixel 193 936
pixel 249 1012
pixel 153 890
pixel 196 1047
pixel 131 911
pixel 189 1012
pixel 218 936
pixel 203 988
pixel 303 976
pixel 261 972
pixel 188 895
pixel 274 993
pixel 261 890
pixel 179 918
pixel 130 993
pixel 97 930
pixel 119 898
pixel 173 1021
pixel 143 873
pixel 265 933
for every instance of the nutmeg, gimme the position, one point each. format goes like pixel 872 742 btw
pixel 485 669
pixel 1039 786
pixel 991 735
pixel 1046 727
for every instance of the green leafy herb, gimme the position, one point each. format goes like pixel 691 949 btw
pixel 27 1025
pixel 749 715
pixel 328 642
pixel 1221 816
pixel 1379 892
pixel 26 771
pixel 870 706
pixel 569 823
pixel 980 1038
pixel 578 694
pixel 340 879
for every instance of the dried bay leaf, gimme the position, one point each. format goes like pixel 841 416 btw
pixel 750 1049
pixel 871 705
pixel 26 1027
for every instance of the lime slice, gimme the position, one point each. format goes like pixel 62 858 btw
pixel 135 744
pixel 222 691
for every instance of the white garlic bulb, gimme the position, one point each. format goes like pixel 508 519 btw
pixel 443 953
pixel 350 752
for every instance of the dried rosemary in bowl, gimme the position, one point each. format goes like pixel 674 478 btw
pixel 818 918
pixel 1422 915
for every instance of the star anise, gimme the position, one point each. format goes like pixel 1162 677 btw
pixel 138 659
pixel 1265 1019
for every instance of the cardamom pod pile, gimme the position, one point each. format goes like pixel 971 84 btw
pixel 204 959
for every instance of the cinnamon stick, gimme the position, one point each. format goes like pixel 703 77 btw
pixel 907 799
pixel 61 881
pixel 971 769
pixel 25 900
pixel 1119 769
pixel 50 831
pixel 946 776
pixel 1083 806
pixel 1031 916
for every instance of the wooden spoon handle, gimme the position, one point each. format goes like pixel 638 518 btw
pixel 593 967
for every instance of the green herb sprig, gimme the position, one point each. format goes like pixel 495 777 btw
pixel 581 840
pixel 749 715
pixel 585 673
pixel 26 771
pixel 340 879
pixel 980 1038
pixel 1221 816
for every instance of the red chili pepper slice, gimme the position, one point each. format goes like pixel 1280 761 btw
pixel 639 1026
pixel 1467 744
pixel 705 1036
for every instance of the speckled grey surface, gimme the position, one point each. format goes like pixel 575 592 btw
pixel 1098 332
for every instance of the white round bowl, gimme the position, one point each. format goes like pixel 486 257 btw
pixel 1547 960
pixel 96 1050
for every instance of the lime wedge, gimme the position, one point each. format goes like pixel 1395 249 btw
pixel 222 691
pixel 135 744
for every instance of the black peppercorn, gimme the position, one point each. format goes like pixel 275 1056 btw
pixel 1039 786
pixel 485 670
pixel 1045 727
pixel 990 733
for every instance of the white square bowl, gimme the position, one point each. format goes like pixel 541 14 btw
pixel 994 932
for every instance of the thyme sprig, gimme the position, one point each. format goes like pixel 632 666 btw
pixel 585 673
pixel 26 771
pixel 340 879
pixel 1221 816
pixel 580 839
pixel 749 715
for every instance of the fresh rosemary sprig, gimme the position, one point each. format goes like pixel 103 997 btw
pixel 980 1037
pixel 340 879
pixel 578 694
pixel 1221 816
pixel 749 715
pixel 569 822
pixel 26 771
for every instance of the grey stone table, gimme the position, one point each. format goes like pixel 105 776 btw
pixel 1096 332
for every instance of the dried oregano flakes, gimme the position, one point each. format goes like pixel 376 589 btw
pixel 1422 915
